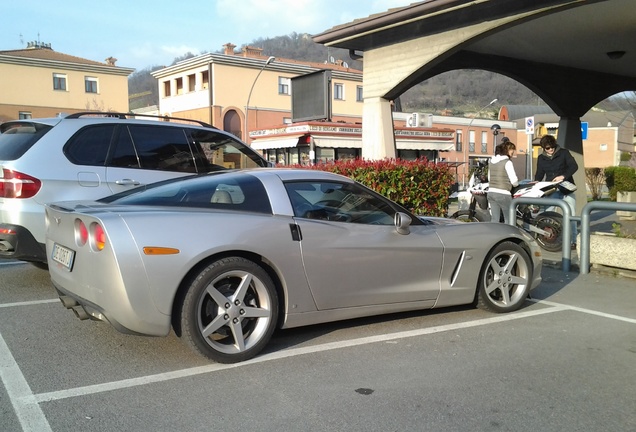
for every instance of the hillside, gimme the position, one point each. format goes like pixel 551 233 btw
pixel 457 92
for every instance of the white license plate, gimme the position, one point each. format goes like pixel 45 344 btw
pixel 63 255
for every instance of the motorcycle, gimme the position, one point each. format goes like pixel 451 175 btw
pixel 477 187
pixel 546 226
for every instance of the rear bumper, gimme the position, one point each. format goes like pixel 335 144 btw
pixel 94 311
pixel 17 242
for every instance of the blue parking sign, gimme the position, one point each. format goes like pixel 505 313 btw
pixel 584 126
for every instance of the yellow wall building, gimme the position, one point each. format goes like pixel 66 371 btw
pixel 40 82
pixel 217 89
pixel 227 89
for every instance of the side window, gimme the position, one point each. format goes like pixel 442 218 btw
pixel 339 202
pixel 124 154
pixel 215 151
pixel 90 145
pixel 162 148
pixel 238 192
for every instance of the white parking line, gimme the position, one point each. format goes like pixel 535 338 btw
pixel 32 419
pixel 28 303
pixel 26 407
pixel 116 385
pixel 587 311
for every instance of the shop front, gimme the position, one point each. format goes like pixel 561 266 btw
pixel 320 142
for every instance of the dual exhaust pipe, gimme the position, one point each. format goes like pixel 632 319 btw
pixel 5 246
pixel 78 309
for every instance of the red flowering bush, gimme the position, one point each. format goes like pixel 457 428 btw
pixel 419 185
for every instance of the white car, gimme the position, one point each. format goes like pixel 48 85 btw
pixel 92 155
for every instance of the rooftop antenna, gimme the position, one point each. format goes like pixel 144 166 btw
pixel 21 40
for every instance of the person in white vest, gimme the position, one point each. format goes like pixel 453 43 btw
pixel 501 179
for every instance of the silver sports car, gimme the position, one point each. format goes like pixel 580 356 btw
pixel 225 258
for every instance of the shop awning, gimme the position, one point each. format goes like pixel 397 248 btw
pixel 424 145
pixel 338 142
pixel 275 143
pixel 349 142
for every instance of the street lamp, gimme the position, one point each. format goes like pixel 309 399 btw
pixel 247 105
pixel 478 112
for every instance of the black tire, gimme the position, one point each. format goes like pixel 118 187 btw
pixel 465 216
pixel 505 278
pixel 553 223
pixel 230 310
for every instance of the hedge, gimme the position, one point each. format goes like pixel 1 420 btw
pixel 419 185
pixel 620 178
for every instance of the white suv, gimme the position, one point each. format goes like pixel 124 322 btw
pixel 92 155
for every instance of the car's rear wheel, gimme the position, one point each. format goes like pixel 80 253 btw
pixel 505 279
pixel 230 310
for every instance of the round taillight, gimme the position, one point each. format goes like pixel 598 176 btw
pixel 99 237
pixel 81 233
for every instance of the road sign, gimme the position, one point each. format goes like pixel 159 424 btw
pixel 584 126
pixel 529 125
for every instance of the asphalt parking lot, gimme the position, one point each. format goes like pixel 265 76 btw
pixel 564 362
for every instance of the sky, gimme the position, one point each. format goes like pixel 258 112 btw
pixel 143 33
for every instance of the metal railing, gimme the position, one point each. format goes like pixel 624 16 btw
pixel 585 226
pixel 567 219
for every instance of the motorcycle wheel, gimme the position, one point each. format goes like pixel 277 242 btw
pixel 465 216
pixel 553 223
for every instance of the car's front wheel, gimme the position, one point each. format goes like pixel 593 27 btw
pixel 505 279
pixel 230 310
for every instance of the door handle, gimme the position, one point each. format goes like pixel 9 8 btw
pixel 127 182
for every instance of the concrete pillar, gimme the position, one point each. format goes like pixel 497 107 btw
pixel 173 87
pixel 570 138
pixel 378 137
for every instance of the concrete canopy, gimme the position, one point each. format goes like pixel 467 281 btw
pixel 543 44
pixel 571 53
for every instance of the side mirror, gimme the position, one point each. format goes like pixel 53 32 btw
pixel 402 222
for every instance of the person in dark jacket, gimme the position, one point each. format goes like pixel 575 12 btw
pixel 557 164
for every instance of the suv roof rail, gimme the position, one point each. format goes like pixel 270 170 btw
pixel 124 116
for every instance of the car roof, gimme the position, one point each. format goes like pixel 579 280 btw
pixel 51 121
pixel 291 174
pixel 84 118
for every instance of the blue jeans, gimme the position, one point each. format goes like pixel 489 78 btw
pixel 571 201
pixel 499 202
